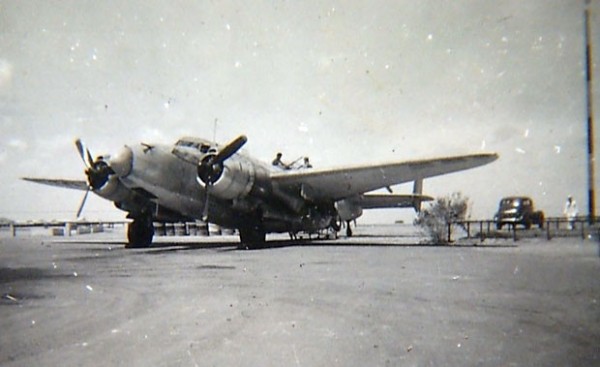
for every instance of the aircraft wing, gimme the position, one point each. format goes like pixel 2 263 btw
pixel 341 183
pixel 68 184
pixel 376 201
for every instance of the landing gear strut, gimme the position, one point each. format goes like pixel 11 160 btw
pixel 348 229
pixel 140 232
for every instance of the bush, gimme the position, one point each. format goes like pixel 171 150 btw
pixel 444 210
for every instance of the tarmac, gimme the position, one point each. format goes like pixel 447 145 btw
pixel 378 299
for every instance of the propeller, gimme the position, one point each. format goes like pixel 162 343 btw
pixel 97 171
pixel 82 204
pixel 211 167
pixel 83 153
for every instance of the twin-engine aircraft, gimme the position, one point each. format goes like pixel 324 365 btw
pixel 199 179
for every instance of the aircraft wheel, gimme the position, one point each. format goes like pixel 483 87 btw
pixel 252 238
pixel 140 233
pixel 336 224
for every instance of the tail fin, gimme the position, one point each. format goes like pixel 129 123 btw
pixel 418 193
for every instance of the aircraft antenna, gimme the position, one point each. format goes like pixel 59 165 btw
pixel 215 130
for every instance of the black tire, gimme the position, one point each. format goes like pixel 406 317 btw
pixel 140 233
pixel 252 238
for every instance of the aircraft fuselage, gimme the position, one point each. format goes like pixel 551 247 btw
pixel 168 176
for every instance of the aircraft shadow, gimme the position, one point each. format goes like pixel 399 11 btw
pixel 278 244
pixel 226 246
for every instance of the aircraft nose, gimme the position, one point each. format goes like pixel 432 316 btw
pixel 121 162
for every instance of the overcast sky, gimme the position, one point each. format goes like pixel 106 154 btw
pixel 343 82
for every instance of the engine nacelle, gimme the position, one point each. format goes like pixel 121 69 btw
pixel 348 209
pixel 238 178
pixel 114 190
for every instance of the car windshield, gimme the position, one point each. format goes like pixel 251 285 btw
pixel 510 203
pixel 515 203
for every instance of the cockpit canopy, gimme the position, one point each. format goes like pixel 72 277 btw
pixel 204 146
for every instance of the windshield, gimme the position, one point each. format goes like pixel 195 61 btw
pixel 510 203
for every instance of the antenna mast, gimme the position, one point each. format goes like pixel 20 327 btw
pixel 590 117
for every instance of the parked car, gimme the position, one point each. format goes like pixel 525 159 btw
pixel 518 210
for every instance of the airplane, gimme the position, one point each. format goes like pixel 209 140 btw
pixel 199 179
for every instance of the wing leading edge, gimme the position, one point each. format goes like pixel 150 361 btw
pixel 68 184
pixel 337 184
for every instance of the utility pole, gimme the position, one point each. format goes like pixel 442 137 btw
pixel 590 117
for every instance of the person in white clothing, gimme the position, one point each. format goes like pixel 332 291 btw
pixel 570 211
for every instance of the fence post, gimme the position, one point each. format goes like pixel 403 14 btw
pixel 449 232
pixel 548 230
pixel 481 231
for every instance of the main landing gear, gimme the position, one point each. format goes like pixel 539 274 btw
pixel 252 237
pixel 348 229
pixel 140 232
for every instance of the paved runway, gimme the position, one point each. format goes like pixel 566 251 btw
pixel 373 300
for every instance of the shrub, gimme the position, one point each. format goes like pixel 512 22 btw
pixel 444 210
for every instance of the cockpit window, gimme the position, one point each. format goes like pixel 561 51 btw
pixel 202 147
pixel 185 143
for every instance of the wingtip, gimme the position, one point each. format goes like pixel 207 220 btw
pixel 494 156
pixel 490 157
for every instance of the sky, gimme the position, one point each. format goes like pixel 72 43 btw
pixel 344 82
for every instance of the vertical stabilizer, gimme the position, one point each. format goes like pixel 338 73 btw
pixel 418 192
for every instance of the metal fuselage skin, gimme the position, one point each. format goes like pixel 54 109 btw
pixel 242 196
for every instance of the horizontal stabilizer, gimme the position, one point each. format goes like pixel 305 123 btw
pixel 67 184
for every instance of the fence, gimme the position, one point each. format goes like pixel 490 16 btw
pixel 553 227
pixel 64 228
pixel 67 228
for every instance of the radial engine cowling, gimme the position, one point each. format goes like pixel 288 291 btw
pixel 114 190
pixel 235 178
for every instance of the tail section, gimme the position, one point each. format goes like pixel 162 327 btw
pixel 418 197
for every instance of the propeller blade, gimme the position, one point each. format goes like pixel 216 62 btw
pixel 206 199
pixel 85 154
pixel 230 149
pixel 90 159
pixel 82 203
pixel 81 150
